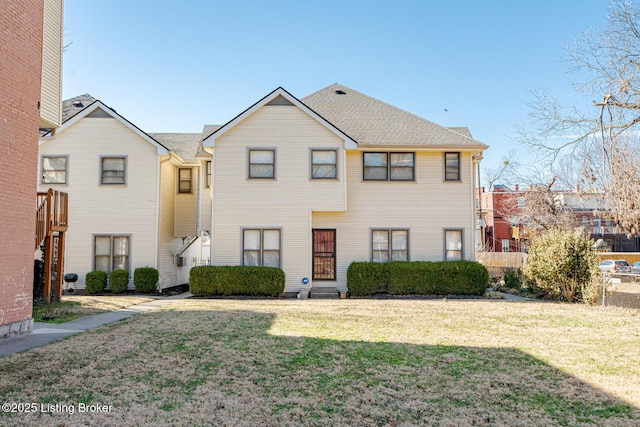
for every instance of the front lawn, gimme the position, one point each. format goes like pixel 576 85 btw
pixel 340 362
pixel 72 307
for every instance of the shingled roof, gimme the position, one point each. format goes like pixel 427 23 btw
pixel 184 145
pixel 72 106
pixel 370 121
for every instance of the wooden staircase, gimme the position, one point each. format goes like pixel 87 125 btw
pixel 324 292
pixel 52 217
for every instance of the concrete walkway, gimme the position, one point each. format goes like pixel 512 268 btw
pixel 45 333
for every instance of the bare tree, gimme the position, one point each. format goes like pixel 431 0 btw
pixel 539 209
pixel 608 62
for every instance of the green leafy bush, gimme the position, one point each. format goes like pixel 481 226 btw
pixel 513 278
pixel 212 280
pixel 118 281
pixel 95 282
pixel 366 278
pixel 418 278
pixel 564 265
pixel 145 279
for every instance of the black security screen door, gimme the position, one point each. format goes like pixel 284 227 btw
pixel 324 254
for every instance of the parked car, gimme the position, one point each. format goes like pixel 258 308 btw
pixel 615 266
pixel 635 267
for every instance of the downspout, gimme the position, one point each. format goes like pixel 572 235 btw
pixel 198 225
pixel 478 211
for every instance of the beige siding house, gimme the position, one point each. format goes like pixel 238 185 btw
pixel 131 202
pixel 312 185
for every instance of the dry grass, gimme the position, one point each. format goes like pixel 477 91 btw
pixel 74 306
pixel 341 362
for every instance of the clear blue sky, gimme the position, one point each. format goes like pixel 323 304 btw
pixel 172 66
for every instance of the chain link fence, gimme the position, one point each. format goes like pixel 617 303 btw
pixel 620 290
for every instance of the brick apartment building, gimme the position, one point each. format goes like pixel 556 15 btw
pixel 30 93
pixel 503 230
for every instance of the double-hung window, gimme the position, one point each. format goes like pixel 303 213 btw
pixel 262 164
pixel 389 245
pixel 324 164
pixel 261 247
pixel 113 170
pixel 111 252
pixel 389 166
pixel 453 245
pixel 54 170
pixel 184 180
pixel 452 166
pixel 208 174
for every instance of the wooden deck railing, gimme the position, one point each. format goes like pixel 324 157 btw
pixel 52 215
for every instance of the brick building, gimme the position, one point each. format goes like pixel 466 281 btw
pixel 504 231
pixel 30 93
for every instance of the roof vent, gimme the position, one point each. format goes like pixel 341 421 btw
pixel 340 92
pixel 78 104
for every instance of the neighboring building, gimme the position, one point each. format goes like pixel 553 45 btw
pixel 30 93
pixel 134 197
pixel 499 216
pixel 312 185
pixel 504 230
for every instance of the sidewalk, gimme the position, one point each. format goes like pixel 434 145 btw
pixel 45 333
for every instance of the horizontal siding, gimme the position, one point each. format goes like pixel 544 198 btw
pixel 167 242
pixel 106 209
pixel 185 215
pixel 51 87
pixel 426 207
pixel 285 202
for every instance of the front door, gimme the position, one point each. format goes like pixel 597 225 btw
pixel 324 254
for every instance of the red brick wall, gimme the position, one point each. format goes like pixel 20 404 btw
pixel 20 74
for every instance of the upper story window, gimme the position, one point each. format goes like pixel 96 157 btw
pixel 388 166
pixel 208 174
pixel 389 245
pixel 324 164
pixel 262 164
pixel 113 170
pixel 184 180
pixel 452 166
pixel 54 170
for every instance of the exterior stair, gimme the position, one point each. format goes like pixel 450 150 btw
pixel 328 292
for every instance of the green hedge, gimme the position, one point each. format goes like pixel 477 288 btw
pixel 95 282
pixel 145 279
pixel 417 278
pixel 212 280
pixel 366 278
pixel 118 281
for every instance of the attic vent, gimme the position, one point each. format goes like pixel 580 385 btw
pixel 279 100
pixel 340 92
pixel 78 104
pixel 99 113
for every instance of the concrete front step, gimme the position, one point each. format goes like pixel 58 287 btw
pixel 324 292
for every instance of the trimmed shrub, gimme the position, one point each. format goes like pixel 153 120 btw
pixel 366 278
pixel 118 281
pixel 95 282
pixel 210 280
pixel 564 265
pixel 145 279
pixel 418 278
